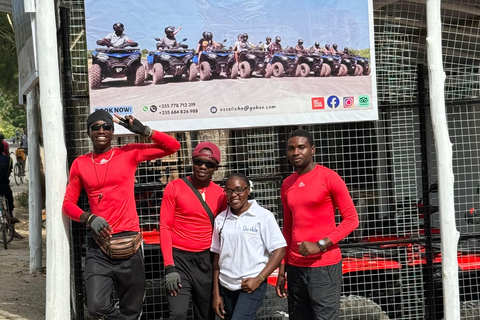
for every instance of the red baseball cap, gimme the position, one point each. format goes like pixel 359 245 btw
pixel 210 146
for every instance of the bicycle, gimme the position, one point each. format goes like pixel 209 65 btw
pixel 19 167
pixel 6 227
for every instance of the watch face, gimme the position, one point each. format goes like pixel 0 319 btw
pixel 321 242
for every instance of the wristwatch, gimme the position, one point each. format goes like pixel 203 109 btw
pixel 322 245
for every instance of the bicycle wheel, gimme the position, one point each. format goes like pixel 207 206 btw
pixel 4 234
pixel 16 174
pixel 10 230
pixel 21 172
pixel 7 228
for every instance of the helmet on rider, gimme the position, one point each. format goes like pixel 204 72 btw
pixel 300 42
pixel 278 39
pixel 169 31
pixel 204 34
pixel 245 37
pixel 317 45
pixel 118 27
pixel 327 46
pixel 208 35
pixel 335 46
pixel 345 50
pixel 268 39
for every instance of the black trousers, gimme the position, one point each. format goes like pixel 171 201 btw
pixel 196 271
pixel 314 293
pixel 103 274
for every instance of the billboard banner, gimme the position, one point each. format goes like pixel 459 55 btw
pixel 207 64
pixel 25 44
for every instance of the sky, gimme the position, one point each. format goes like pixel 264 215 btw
pixel 344 22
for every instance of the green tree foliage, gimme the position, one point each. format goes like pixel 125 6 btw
pixel 361 52
pixel 12 115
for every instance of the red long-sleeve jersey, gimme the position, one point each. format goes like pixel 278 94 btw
pixel 184 224
pixel 114 180
pixel 309 203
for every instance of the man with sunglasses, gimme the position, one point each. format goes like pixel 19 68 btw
pixel 107 174
pixel 186 235
pixel 313 260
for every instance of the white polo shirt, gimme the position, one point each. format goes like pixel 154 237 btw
pixel 246 243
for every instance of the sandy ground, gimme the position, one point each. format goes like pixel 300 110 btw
pixel 22 295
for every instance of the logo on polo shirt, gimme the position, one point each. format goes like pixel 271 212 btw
pixel 301 184
pixel 252 229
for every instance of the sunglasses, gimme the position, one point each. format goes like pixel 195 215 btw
pixel 237 190
pixel 105 126
pixel 208 164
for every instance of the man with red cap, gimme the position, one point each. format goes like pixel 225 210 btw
pixel 189 207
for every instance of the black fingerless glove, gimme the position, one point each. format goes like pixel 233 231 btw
pixel 136 127
pixel 172 278
pixel 97 223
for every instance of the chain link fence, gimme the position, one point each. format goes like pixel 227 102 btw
pixel 392 261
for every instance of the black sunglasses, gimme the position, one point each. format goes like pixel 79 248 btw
pixel 237 190
pixel 208 164
pixel 105 126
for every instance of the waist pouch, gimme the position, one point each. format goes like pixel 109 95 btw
pixel 120 246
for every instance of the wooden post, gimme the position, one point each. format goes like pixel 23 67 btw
pixel 443 146
pixel 58 264
pixel 34 185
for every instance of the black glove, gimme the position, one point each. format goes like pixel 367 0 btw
pixel 97 223
pixel 172 278
pixel 136 127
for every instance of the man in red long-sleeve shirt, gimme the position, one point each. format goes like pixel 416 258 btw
pixel 113 212
pixel 186 236
pixel 313 259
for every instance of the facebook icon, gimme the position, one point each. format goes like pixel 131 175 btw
pixel 333 102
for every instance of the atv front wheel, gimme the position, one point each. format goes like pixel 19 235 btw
pixel 139 75
pixel 192 72
pixel 157 73
pixel 267 73
pixel 304 70
pixel 205 71
pixel 342 71
pixel 367 71
pixel 326 70
pixel 278 69
pixel 358 70
pixel 95 76
pixel 245 69
pixel 233 72
pixel 360 308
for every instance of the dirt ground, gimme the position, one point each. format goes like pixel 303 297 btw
pixel 22 295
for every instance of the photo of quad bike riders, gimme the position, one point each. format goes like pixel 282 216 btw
pixel 202 65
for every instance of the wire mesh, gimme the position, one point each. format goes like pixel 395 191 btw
pixel 388 271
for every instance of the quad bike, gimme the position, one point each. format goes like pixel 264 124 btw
pixel 156 306
pixel 353 69
pixel 362 294
pixel 214 61
pixel 254 60
pixel 284 62
pixel 364 63
pixel 336 67
pixel 116 62
pixel 312 62
pixel 171 61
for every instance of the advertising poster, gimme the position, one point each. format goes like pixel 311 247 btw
pixel 206 64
